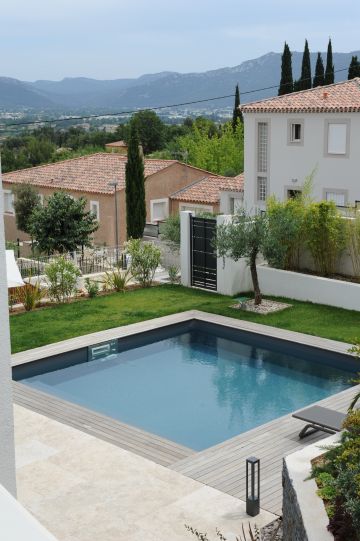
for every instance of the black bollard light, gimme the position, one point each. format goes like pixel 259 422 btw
pixel 252 486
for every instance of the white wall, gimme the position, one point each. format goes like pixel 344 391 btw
pixel 16 524
pixel 185 246
pixel 7 451
pixel 287 162
pixel 226 204
pixel 232 276
pixel 305 287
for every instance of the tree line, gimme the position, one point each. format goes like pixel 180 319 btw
pixel 324 74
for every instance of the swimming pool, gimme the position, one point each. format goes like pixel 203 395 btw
pixel 196 384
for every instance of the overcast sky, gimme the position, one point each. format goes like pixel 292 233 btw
pixel 108 39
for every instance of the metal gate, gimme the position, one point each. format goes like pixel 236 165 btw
pixel 203 253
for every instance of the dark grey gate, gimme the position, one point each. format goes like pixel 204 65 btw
pixel 203 253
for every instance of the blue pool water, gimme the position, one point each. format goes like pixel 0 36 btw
pixel 197 389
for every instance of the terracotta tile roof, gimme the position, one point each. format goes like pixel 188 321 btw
pixel 90 174
pixel 116 144
pixel 341 97
pixel 207 190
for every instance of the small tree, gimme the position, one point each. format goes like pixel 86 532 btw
pixel 170 232
pixel 63 224
pixel 135 188
pixel 245 237
pixel 150 129
pixel 354 68
pixel 61 276
pixel 319 78
pixel 26 202
pixel 286 81
pixel 329 70
pixel 237 114
pixel 145 258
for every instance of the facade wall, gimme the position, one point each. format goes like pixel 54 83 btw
pixel 168 181
pixel 175 206
pixel 288 162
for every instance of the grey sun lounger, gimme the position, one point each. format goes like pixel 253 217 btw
pixel 319 418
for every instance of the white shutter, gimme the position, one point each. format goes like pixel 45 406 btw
pixel 159 211
pixel 337 138
pixel 338 198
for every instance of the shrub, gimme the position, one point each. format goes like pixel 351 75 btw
pixel 92 287
pixel 353 237
pixel 116 280
pixel 285 232
pixel 173 272
pixel 29 296
pixel 61 277
pixel 325 235
pixel 145 258
pixel 338 476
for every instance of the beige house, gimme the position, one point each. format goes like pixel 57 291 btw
pixel 91 177
pixel 117 146
pixel 212 193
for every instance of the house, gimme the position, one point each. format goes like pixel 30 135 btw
pixel 288 137
pixel 91 177
pixel 212 193
pixel 117 146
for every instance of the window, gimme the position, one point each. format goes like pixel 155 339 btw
pixel 8 202
pixel 336 138
pixel 95 209
pixel 292 194
pixel 338 198
pixel 236 204
pixel 159 209
pixel 295 135
pixel 262 149
pixel 261 188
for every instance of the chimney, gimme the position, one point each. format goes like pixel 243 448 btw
pixel 325 95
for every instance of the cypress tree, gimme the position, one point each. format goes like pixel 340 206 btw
pixel 329 70
pixel 237 114
pixel 319 78
pixel 354 68
pixel 286 81
pixel 135 188
pixel 305 78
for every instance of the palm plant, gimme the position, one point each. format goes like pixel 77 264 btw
pixel 356 350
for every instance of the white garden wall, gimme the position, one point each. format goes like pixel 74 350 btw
pixel 306 287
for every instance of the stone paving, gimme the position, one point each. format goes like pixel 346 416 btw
pixel 84 489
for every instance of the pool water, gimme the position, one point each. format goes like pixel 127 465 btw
pixel 197 389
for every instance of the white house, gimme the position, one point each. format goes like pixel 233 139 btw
pixel 288 137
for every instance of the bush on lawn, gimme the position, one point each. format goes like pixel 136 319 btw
pixel 61 276
pixel 145 258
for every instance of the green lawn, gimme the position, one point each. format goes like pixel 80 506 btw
pixel 57 323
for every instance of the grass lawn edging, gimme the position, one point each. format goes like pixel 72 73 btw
pixel 307 287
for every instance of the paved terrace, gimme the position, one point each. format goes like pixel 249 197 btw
pixel 221 467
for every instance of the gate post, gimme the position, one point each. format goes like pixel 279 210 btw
pixel 185 247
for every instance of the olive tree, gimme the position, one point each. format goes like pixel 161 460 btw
pixel 244 236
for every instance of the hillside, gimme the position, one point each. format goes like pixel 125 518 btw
pixel 160 88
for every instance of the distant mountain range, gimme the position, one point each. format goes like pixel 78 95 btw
pixel 159 88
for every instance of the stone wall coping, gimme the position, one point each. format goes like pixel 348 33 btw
pixel 315 518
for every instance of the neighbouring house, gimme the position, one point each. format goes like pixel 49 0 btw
pixel 288 137
pixel 117 146
pixel 90 176
pixel 212 193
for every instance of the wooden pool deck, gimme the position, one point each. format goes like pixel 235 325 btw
pixel 223 466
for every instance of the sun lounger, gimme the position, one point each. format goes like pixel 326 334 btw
pixel 319 418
